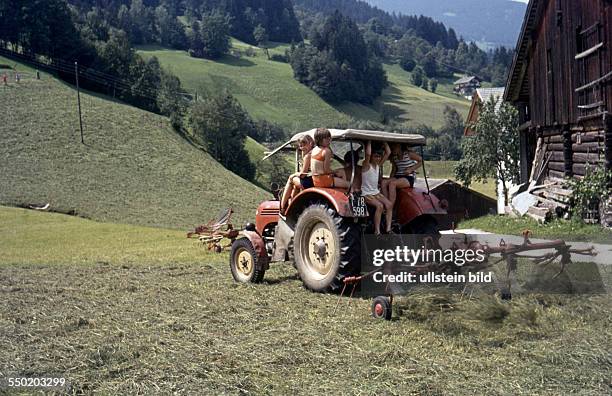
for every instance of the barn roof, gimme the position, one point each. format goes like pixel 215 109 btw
pixel 517 82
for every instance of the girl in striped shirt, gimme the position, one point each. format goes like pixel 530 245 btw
pixel 404 163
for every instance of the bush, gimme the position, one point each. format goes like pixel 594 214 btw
pixel 407 64
pixel 279 58
pixel 588 192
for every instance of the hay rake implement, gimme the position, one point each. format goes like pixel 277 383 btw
pixel 214 232
pixel 510 253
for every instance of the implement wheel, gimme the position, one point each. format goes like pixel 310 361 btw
pixel 327 248
pixel 381 308
pixel 244 262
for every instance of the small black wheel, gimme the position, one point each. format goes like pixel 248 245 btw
pixel 244 262
pixel 381 308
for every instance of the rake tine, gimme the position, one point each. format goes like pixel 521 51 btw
pixel 351 296
pixel 339 298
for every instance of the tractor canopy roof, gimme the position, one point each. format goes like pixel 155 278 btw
pixel 360 135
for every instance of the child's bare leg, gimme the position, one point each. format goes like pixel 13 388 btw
pixel 372 200
pixel 297 186
pixel 388 210
pixel 394 185
pixel 286 194
pixel 384 184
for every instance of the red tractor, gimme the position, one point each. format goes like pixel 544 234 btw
pixel 322 227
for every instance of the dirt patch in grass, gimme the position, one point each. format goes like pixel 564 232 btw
pixel 118 329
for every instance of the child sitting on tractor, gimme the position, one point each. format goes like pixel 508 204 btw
pixel 404 163
pixel 370 179
pixel 322 174
pixel 300 180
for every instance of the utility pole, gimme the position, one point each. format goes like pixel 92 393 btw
pixel 76 75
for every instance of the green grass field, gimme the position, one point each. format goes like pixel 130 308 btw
pixel 267 90
pixel 133 168
pixel 445 170
pixel 563 229
pixel 120 309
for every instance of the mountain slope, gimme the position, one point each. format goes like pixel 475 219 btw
pixel 267 90
pixel 494 22
pixel 133 168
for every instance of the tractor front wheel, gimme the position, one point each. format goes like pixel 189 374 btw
pixel 327 248
pixel 244 262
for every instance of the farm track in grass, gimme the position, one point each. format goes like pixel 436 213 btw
pixel 133 168
pixel 141 321
pixel 268 91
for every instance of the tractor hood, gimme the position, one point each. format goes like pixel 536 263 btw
pixel 359 135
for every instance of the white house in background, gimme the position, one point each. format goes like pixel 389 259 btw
pixel 483 95
pixel 465 86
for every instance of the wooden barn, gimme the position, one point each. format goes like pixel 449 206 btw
pixel 560 81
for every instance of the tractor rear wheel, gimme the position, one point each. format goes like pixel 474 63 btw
pixel 244 262
pixel 327 248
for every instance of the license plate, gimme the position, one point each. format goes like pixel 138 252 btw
pixel 358 205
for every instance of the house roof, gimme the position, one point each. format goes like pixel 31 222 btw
pixel 518 70
pixel 465 80
pixel 482 96
pixel 485 94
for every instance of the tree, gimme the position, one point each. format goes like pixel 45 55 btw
pixel 210 38
pixel 433 85
pixel 493 149
pixel 40 27
pixel 425 83
pixel 222 125
pixel 417 76
pixel 273 170
pixel 338 65
pixel 170 29
pixel 261 37
pixel 428 63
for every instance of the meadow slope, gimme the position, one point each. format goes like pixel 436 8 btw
pixel 133 168
pixel 267 90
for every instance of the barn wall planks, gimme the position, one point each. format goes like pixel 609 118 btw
pixel 570 49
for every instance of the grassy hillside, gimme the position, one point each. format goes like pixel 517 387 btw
pixel 413 105
pixel 119 309
pixel 268 90
pixel 133 168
